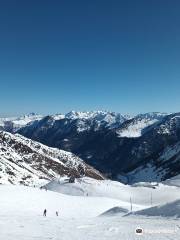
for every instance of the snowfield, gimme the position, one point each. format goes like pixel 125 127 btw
pixel 140 193
pixel 135 130
pixel 94 210
pixel 140 124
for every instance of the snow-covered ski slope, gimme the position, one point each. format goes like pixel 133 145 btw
pixel 140 193
pixel 29 201
pixel 90 209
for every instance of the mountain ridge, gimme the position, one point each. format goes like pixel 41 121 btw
pixel 23 161
pixel 125 149
pixel 128 149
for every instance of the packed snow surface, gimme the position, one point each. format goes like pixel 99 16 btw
pixel 81 216
pixel 161 193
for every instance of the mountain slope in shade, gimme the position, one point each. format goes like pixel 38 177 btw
pixel 153 155
pixel 23 161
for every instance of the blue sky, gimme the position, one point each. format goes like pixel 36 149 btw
pixel 56 56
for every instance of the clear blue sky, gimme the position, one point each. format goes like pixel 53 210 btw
pixel 56 56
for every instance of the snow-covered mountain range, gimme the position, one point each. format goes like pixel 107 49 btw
pixel 129 126
pixel 84 120
pixel 131 149
pixel 12 124
pixel 23 161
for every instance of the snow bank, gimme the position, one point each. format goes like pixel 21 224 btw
pixel 140 194
pixel 175 181
pixel 115 211
pixel 168 210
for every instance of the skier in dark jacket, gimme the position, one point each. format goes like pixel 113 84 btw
pixel 45 212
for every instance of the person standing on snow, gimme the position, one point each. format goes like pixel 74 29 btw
pixel 45 212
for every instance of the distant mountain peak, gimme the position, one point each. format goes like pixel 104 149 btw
pixel 12 124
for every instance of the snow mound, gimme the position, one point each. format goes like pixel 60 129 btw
pixel 175 181
pixel 115 211
pixel 146 184
pixel 168 210
pixel 65 187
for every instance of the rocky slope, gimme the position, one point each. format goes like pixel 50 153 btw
pixel 23 161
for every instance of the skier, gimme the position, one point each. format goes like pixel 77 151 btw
pixel 57 214
pixel 45 212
